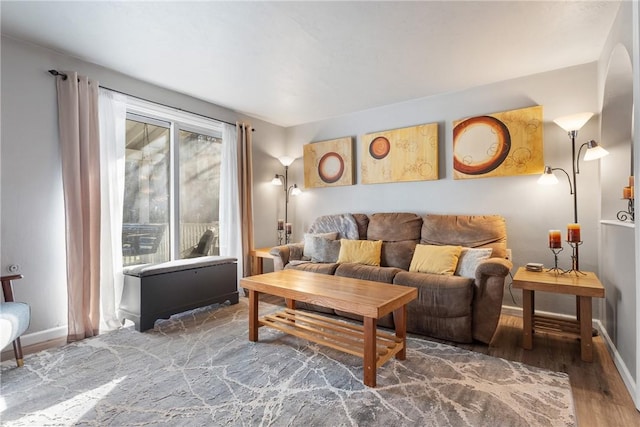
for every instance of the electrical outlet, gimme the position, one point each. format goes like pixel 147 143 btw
pixel 13 268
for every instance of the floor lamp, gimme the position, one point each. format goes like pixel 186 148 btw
pixel 284 226
pixel 572 124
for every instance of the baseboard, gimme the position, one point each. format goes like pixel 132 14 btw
pixel 517 311
pixel 40 337
pixel 626 376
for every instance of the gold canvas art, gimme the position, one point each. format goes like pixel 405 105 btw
pixel 500 144
pixel 328 163
pixel 406 154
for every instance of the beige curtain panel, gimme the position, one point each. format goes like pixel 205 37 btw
pixel 80 150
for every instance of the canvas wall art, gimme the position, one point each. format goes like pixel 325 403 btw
pixel 398 155
pixel 328 163
pixel 500 144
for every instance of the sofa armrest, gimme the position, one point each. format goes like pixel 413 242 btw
pixel 487 298
pixel 492 267
pixel 283 254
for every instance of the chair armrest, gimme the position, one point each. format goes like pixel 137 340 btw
pixel 7 289
pixel 283 254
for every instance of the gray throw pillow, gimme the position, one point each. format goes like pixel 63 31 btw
pixel 325 250
pixel 307 252
pixel 469 260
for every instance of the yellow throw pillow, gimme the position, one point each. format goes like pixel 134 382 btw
pixel 360 251
pixel 435 259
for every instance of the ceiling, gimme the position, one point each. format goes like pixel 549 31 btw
pixel 296 62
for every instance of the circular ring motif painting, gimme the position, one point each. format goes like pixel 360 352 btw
pixel 480 145
pixel 330 167
pixel 379 147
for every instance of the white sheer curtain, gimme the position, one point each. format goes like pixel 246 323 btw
pixel 113 114
pixel 230 219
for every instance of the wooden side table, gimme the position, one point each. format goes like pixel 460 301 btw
pixel 584 287
pixel 257 258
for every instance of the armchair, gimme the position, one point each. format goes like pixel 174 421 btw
pixel 14 318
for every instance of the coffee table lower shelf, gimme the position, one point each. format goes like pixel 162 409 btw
pixel 341 336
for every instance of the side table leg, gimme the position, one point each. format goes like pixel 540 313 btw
pixel 370 351
pixel 400 320
pixel 586 339
pixel 253 315
pixel 528 307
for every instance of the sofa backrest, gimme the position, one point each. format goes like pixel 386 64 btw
pixel 473 231
pixel 400 233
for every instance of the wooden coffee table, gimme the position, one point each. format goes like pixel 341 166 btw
pixel 372 300
pixel 583 285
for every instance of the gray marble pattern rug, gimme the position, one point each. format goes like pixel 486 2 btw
pixel 199 369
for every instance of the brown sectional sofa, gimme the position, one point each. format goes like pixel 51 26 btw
pixel 449 307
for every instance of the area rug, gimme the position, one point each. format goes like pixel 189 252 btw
pixel 199 369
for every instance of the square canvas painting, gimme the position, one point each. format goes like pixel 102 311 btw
pixel 328 163
pixel 406 154
pixel 500 144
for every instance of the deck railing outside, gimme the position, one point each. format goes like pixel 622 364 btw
pixel 190 234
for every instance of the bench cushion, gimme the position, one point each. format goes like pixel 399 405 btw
pixel 144 270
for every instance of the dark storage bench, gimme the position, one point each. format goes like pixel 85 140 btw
pixel 156 291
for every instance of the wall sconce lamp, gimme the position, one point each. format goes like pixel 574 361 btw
pixel 572 124
pixel 284 226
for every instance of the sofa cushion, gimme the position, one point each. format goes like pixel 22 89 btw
pixel 397 254
pixel 360 251
pixel 367 272
pixel 400 232
pixel 309 239
pixel 314 267
pixel 363 224
pixel 435 259
pixel 473 231
pixel 469 260
pixel 449 301
pixel 394 227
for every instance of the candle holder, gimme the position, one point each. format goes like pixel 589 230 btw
pixel 629 214
pixel 574 259
pixel 280 236
pixel 555 268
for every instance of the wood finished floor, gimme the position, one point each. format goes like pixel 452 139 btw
pixel 600 396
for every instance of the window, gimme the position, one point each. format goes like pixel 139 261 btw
pixel 172 186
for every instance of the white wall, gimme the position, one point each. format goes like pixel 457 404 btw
pixel 530 210
pixel 618 79
pixel 32 212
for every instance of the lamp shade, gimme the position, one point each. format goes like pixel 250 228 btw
pixel 286 160
pixel 547 178
pixel 594 151
pixel 573 121
pixel 276 180
pixel 295 191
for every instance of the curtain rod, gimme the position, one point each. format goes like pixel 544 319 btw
pixel 64 77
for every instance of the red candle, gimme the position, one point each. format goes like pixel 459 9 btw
pixel 281 224
pixel 555 239
pixel 626 192
pixel 573 233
